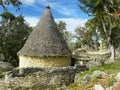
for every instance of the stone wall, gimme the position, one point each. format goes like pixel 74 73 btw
pixel 26 62
pixel 42 77
pixel 99 52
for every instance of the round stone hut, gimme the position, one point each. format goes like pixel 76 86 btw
pixel 45 47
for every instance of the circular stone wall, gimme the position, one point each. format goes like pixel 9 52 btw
pixel 26 62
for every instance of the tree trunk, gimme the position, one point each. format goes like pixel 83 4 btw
pixel 112 49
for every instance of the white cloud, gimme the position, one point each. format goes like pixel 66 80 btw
pixel 71 23
pixel 63 10
pixel 32 21
pixel 54 5
pixel 28 2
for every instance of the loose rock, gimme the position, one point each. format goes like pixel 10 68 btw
pixel 118 77
pixel 98 87
pixel 99 74
pixel 87 78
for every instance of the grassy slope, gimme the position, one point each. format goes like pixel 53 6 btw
pixel 112 68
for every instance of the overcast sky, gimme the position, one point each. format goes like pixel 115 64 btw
pixel 65 10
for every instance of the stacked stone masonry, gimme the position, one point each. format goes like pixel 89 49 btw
pixel 42 77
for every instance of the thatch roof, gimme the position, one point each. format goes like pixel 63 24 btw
pixel 45 39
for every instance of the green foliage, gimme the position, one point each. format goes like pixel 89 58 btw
pixel 92 7
pixel 2 74
pixel 15 3
pixel 78 44
pixel 104 12
pixel 7 16
pixel 61 25
pixel 62 28
pixel 13 34
pixel 88 36
pixel 66 34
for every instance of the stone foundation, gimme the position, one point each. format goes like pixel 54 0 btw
pixel 42 77
pixel 25 62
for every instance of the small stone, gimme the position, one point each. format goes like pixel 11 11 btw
pixel 87 78
pixel 58 89
pixel 98 87
pixel 109 88
pixel 77 76
pixel 118 77
pixel 63 87
pixel 21 72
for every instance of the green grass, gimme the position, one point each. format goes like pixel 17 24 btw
pixel 2 74
pixel 112 68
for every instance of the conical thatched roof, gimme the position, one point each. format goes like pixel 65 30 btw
pixel 45 39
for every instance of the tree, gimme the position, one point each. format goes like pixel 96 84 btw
pixel 62 28
pixel 61 25
pixel 7 16
pixel 103 10
pixel 13 34
pixel 87 36
pixel 15 3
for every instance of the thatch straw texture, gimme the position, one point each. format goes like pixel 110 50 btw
pixel 45 39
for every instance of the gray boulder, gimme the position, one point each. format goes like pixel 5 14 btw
pixel 99 74
pixel 98 87
pixel 96 62
pixel 118 77
pixel 5 66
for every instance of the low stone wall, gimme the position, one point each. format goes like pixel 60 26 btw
pixel 42 77
pixel 26 62
pixel 99 52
